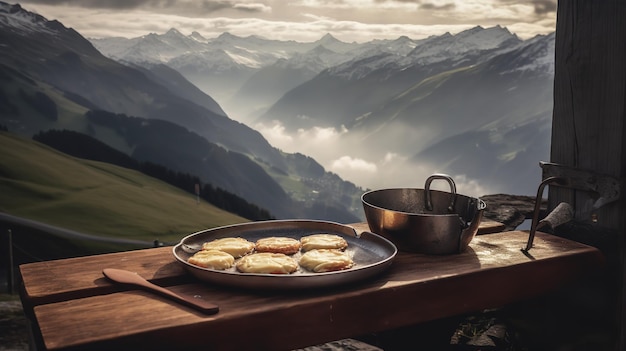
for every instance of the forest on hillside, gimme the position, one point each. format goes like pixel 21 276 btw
pixel 83 146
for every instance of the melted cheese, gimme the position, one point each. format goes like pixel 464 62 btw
pixel 285 245
pixel 325 260
pixel 323 241
pixel 237 247
pixel 213 259
pixel 267 262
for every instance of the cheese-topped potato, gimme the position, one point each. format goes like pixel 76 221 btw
pixel 237 247
pixel 284 245
pixel 213 259
pixel 325 260
pixel 323 241
pixel 267 262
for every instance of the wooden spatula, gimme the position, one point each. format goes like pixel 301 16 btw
pixel 127 277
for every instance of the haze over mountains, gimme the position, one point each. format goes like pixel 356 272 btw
pixel 279 122
pixel 53 78
pixel 476 105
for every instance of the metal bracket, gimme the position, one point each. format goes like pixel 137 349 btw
pixel 535 223
pixel 602 188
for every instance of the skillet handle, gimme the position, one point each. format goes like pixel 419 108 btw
pixel 429 204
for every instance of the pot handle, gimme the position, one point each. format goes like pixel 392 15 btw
pixel 429 204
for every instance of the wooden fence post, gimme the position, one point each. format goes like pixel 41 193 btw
pixel 589 120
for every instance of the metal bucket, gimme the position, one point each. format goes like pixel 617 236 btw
pixel 423 220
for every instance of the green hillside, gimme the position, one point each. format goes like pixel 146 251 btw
pixel 42 184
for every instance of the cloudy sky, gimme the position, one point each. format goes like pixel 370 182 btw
pixel 300 20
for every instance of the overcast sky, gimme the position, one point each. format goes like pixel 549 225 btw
pixel 300 20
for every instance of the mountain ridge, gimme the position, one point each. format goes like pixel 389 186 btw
pixel 62 195
pixel 366 93
pixel 71 66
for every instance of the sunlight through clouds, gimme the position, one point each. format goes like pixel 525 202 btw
pixel 276 135
pixel 317 134
pixel 342 153
pixel 352 164
pixel 317 141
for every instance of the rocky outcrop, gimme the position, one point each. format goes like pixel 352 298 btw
pixel 511 210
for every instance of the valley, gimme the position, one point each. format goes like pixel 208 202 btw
pixel 301 129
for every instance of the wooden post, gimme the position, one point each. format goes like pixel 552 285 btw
pixel 589 120
pixel 11 272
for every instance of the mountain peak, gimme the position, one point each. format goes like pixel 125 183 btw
pixel 226 38
pixel 197 36
pixel 227 35
pixel 173 32
pixel 480 38
pixel 11 9
pixel 328 38
pixel 24 21
pixel 494 31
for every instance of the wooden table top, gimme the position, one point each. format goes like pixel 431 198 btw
pixel 74 306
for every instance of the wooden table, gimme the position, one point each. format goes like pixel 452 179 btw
pixel 73 306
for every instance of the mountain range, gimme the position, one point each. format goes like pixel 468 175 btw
pixel 53 78
pixel 476 104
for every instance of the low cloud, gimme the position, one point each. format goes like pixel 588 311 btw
pixel 353 164
pixel 252 8
pixel 276 134
pixel 344 153
pixel 317 142
pixel 431 6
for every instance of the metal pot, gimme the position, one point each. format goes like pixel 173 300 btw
pixel 423 220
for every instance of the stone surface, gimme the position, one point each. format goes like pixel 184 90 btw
pixel 13 326
pixel 511 210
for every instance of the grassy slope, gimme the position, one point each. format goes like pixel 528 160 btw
pixel 39 183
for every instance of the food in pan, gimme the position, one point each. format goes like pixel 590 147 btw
pixel 213 259
pixel 237 247
pixel 267 262
pixel 325 260
pixel 323 241
pixel 284 245
pixel 314 253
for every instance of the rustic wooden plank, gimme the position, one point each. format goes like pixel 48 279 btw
pixel 82 276
pixel 589 120
pixel 588 129
pixel 589 110
pixel 417 288
pixel 488 226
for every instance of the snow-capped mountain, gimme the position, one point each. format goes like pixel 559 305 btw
pixel 22 21
pixel 270 83
pixel 221 66
pixel 485 81
pixel 151 48
pixel 232 68
pixel 472 42
pixel 400 97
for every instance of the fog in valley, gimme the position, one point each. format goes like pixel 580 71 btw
pixel 384 113
pixel 369 166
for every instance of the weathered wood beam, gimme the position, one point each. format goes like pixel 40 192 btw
pixel 589 119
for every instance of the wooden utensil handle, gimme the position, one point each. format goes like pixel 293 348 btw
pixel 194 301
pixel 127 277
